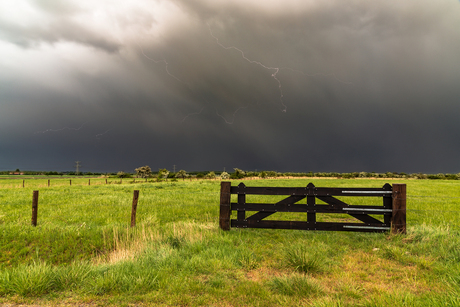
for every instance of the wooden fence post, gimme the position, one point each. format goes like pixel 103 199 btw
pixel 134 208
pixel 225 209
pixel 70 180
pixel 89 181
pixel 105 180
pixel 34 208
pixel 48 183
pixel 398 219
pixel 23 182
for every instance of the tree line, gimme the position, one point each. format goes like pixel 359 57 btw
pixel 162 174
pixel 146 172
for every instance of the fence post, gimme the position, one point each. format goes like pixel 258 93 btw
pixel 48 183
pixel 134 208
pixel 34 208
pixel 23 181
pixel 70 180
pixel 398 219
pixel 105 180
pixel 225 209
pixel 89 181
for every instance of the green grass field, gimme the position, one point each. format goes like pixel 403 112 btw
pixel 82 253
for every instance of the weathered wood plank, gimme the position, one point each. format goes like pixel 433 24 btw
pixel 333 202
pixel 373 192
pixel 259 216
pixel 311 202
pixel 310 209
pixel 272 224
pixel 34 208
pixel 241 214
pixel 268 191
pixel 225 210
pixel 387 203
pixel 398 221
pixel 134 207
pixel 291 200
pixel 366 219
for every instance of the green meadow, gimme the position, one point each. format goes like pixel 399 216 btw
pixel 83 252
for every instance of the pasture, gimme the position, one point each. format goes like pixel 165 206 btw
pixel 83 252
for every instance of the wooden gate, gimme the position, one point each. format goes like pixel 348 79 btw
pixel 392 208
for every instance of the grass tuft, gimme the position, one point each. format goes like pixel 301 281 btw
pixel 30 280
pixel 299 285
pixel 304 260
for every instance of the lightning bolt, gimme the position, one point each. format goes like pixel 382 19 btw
pixel 233 117
pixel 60 129
pixel 161 61
pixel 196 113
pixel 275 69
pixel 101 134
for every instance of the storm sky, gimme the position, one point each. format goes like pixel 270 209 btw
pixel 293 85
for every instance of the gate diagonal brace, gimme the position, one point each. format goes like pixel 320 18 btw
pixel 338 205
pixel 285 202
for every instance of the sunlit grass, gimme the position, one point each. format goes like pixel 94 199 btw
pixel 83 250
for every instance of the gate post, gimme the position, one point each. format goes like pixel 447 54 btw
pixel 225 210
pixel 398 219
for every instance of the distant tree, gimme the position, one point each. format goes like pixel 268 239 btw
pixel 52 173
pixel 123 175
pixel 224 175
pixel 210 175
pixel 238 174
pixel 252 174
pixel 181 174
pixel 162 174
pixel 143 171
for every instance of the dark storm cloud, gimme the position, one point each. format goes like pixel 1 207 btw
pixel 203 85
